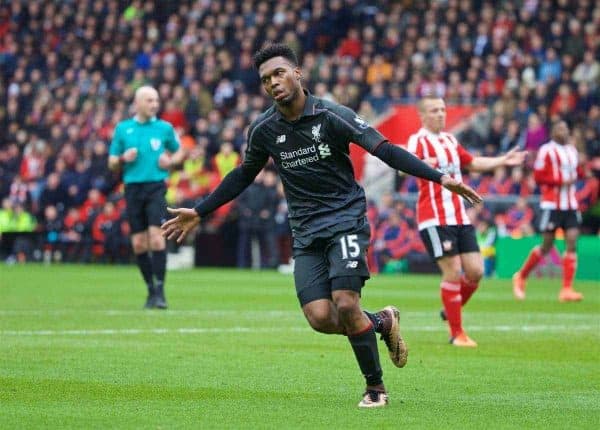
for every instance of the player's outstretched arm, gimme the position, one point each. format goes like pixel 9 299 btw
pixel 463 190
pixel 184 221
pixel 232 185
pixel 514 157
pixel 400 159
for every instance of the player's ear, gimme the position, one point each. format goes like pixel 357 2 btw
pixel 298 73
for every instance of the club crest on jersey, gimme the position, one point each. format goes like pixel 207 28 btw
pixel 281 139
pixel 155 144
pixel 316 133
pixel 447 245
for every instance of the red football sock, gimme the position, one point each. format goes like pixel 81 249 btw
pixel 569 264
pixel 532 260
pixel 467 288
pixel 452 301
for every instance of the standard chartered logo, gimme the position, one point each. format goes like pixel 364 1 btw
pixel 303 156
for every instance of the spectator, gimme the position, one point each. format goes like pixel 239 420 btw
pixel 550 68
pixel 536 133
pixel 588 70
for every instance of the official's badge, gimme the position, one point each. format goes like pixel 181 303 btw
pixel 155 144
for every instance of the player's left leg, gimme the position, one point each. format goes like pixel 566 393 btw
pixel 569 263
pixel 450 291
pixel 159 264
pixel 472 264
pixel 156 211
pixel 362 338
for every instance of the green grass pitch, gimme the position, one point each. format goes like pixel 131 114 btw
pixel 234 351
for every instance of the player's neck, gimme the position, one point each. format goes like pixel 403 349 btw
pixel 293 110
pixel 432 131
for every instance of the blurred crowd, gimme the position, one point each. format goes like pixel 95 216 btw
pixel 68 71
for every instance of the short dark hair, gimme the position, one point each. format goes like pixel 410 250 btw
pixel 272 50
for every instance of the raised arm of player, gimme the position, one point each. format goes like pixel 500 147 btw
pixel 402 160
pixel 360 132
pixel 185 219
pixel 514 157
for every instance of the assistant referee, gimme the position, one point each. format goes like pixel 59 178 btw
pixel 144 148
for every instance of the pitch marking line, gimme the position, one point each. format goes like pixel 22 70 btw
pixel 196 330
pixel 266 313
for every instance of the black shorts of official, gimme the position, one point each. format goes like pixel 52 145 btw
pixel 551 219
pixel 342 255
pixel 448 240
pixel 146 205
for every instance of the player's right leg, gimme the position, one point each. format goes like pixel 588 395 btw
pixel 442 244
pixel 569 263
pixel 450 292
pixel 535 256
pixel 313 289
pixel 547 226
pixel 140 243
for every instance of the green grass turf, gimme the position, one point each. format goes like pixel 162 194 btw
pixel 233 351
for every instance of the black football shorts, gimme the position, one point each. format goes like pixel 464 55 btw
pixel 448 240
pixel 146 205
pixel 342 255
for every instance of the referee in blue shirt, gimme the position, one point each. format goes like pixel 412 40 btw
pixel 144 148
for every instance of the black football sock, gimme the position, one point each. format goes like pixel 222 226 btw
pixel 159 265
pixel 365 349
pixel 376 320
pixel 145 265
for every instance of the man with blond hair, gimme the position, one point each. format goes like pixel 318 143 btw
pixel 443 223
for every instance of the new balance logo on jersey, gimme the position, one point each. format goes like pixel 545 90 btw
pixel 351 264
pixel 361 122
pixel 281 139
pixel 324 150
pixel 316 133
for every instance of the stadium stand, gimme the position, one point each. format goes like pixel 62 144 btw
pixel 68 68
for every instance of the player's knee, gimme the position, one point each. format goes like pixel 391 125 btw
pixel 139 246
pixel 474 275
pixel 319 319
pixel 157 242
pixel 452 276
pixel 347 307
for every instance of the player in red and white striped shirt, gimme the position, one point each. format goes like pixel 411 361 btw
pixel 556 171
pixel 443 222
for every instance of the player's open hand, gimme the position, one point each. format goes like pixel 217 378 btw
pixel 463 190
pixel 514 157
pixel 184 221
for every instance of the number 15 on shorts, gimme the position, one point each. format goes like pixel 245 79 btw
pixel 350 246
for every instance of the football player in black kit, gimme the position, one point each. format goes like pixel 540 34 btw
pixel 308 140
